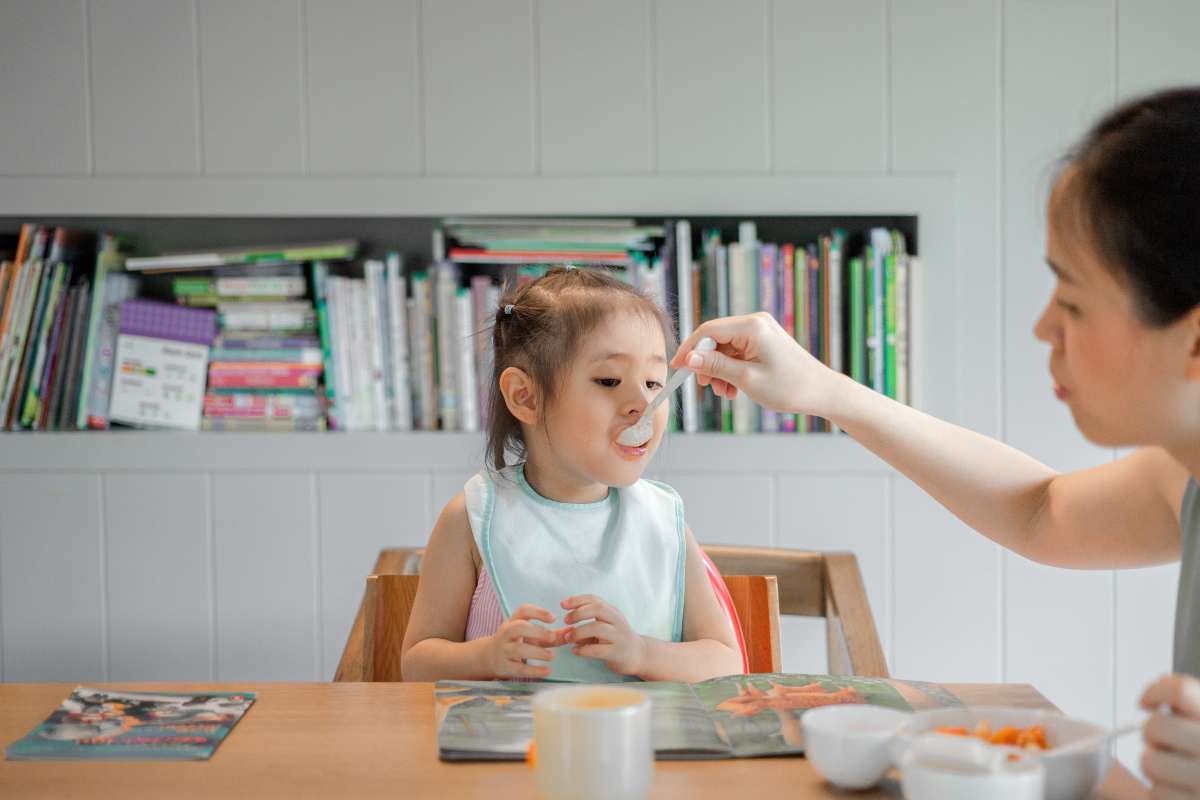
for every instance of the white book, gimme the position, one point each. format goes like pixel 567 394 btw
pixel 748 239
pixel 464 316
pixel 397 301
pixel 489 352
pixel 445 289
pixel 364 379
pixel 741 301
pixel 376 333
pixel 158 383
pixel 686 303
pixel 422 342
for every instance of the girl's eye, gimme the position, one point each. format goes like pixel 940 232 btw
pixel 1070 308
pixel 609 383
pixel 653 385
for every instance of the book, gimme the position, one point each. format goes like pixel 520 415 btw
pixel 736 716
pixel 378 345
pixel 396 288
pixel 445 288
pixel 111 286
pixel 768 302
pixel 73 375
pixel 293 315
pixel 102 724
pixel 162 353
pixel 30 408
pixel 258 254
pixel 687 320
pixel 858 355
pixel 468 394
pixel 244 425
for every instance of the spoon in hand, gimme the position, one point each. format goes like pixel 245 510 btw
pixel 640 432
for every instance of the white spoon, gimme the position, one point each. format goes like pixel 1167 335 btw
pixel 640 432
pixel 1088 742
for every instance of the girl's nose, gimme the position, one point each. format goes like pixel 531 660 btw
pixel 636 403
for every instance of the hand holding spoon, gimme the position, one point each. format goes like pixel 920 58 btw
pixel 640 432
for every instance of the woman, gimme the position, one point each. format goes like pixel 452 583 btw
pixel 1123 325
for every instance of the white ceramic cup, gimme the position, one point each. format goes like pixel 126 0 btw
pixel 851 746
pixel 593 743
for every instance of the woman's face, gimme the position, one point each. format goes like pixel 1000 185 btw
pixel 1125 382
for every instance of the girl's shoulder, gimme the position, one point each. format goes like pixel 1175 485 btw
pixel 454 523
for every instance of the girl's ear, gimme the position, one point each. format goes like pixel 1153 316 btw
pixel 520 395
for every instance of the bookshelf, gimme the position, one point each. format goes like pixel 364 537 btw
pixel 785 208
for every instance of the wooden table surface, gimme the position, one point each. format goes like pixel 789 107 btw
pixel 368 740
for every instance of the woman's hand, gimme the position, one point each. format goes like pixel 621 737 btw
pixel 1172 757
pixel 757 356
pixel 607 637
pixel 517 640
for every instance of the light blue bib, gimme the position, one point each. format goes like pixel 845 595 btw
pixel 627 549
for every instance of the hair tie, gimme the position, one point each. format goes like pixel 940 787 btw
pixel 508 309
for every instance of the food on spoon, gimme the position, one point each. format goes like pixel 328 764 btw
pixel 1031 738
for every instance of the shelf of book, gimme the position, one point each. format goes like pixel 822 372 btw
pixel 399 452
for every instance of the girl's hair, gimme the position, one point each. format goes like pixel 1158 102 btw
pixel 1134 185
pixel 539 328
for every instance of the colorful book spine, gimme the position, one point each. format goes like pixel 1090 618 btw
pixel 377 339
pixel 39 385
pixel 77 342
pixel 768 302
pixel 18 334
pixel 262 380
pixel 12 417
pixel 304 355
pixel 484 313
pixel 858 355
pixel 261 406
pixel 889 325
pixel 800 282
pixel 446 348
pixel 787 273
pixel 397 299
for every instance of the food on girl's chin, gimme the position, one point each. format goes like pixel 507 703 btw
pixel 1031 738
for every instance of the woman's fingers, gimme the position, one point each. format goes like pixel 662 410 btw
pixel 1172 770
pixel 1170 732
pixel 1181 693
pixel 723 331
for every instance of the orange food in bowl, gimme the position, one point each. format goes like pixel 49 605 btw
pixel 1031 738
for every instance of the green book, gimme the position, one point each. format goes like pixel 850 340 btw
pixel 889 326
pixel 109 258
pixel 871 346
pixel 187 287
pixel 32 405
pixel 858 331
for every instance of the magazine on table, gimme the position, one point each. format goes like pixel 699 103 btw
pixel 737 716
pixel 118 724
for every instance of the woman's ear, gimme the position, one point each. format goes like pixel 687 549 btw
pixel 520 395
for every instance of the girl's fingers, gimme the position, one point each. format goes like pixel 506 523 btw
pixel 1171 732
pixel 524 651
pixel 520 670
pixel 600 610
pixel 601 651
pixel 600 631
pixel 530 632
pixel 1171 770
pixel 530 611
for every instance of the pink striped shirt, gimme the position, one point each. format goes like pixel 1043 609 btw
pixel 485 615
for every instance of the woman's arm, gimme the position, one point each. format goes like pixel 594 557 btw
pixel 1121 514
pixel 709 647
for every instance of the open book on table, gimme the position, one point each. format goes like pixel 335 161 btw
pixel 737 716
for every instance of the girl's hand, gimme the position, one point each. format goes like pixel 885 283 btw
pixel 1172 757
pixel 757 356
pixel 518 640
pixel 607 637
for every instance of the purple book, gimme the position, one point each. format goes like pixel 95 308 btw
pixel 158 320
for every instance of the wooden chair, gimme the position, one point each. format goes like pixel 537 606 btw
pixel 389 600
pixel 807 584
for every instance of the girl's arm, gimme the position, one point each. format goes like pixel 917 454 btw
pixel 1121 514
pixel 709 647
pixel 433 646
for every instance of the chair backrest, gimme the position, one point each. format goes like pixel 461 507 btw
pixel 389 603
pixel 811 584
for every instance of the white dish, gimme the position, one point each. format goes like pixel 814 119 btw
pixel 851 745
pixel 1068 777
pixel 940 767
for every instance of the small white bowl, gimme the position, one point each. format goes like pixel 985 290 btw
pixel 1068 777
pixel 851 746
pixel 938 767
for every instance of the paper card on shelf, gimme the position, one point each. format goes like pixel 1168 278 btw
pixel 158 382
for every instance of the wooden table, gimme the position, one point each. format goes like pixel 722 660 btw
pixel 368 740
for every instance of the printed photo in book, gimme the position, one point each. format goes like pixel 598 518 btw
pixel 112 724
pixel 737 716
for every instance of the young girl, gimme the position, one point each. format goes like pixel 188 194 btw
pixel 570 528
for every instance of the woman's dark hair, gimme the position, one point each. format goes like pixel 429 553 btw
pixel 539 327
pixel 1134 182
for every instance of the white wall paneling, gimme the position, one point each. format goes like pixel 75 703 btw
pixel 950 111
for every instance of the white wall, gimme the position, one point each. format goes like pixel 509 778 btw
pixel 170 106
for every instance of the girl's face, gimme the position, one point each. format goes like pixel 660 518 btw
pixel 1126 383
pixel 619 369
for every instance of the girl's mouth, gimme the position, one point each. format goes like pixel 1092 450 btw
pixel 631 453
